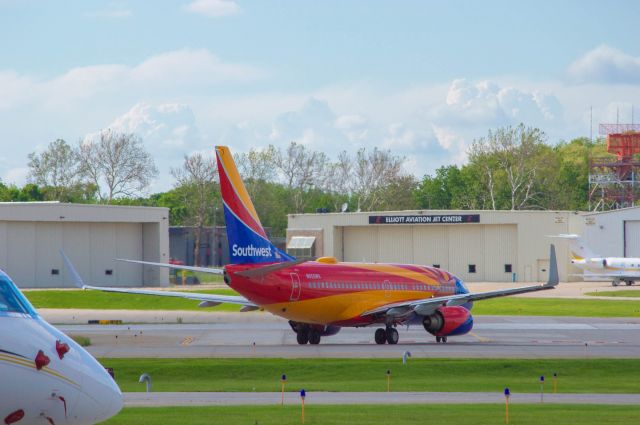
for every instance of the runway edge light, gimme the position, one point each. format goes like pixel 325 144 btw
pixel 541 388
pixel 303 394
pixel 507 393
pixel 283 379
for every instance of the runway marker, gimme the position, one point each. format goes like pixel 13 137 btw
pixel 188 340
pixel 479 338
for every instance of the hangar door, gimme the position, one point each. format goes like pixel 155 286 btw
pixel 474 253
pixel 360 244
pixel 632 238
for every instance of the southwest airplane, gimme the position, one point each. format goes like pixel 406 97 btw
pixel 46 377
pixel 616 269
pixel 320 296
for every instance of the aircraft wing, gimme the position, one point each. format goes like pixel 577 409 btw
pixel 206 300
pixel 175 266
pixel 427 306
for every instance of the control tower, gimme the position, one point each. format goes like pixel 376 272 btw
pixel 613 181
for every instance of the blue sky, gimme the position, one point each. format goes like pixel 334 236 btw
pixel 423 78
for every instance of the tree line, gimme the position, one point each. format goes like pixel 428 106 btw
pixel 510 168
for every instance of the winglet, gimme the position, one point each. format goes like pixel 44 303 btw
pixel 75 277
pixel 553 267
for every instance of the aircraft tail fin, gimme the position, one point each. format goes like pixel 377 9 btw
pixel 579 248
pixel 75 276
pixel 248 242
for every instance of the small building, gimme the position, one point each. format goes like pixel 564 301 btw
pixel 92 236
pixel 214 245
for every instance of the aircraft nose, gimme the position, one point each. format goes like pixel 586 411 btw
pixel 101 399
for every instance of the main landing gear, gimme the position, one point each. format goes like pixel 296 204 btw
pixel 307 334
pixel 441 339
pixel 388 335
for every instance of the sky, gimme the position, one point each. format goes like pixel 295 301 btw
pixel 420 78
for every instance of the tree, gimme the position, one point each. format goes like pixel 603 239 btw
pixel 257 167
pixel 197 182
pixel 117 163
pixel 339 180
pixel 517 154
pixel 57 168
pixel 372 172
pixel 302 170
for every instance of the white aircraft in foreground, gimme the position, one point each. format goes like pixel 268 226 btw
pixel 617 269
pixel 46 377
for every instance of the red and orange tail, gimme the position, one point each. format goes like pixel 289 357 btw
pixel 248 242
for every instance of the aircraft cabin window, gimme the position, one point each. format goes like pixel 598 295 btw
pixel 472 268
pixel 507 268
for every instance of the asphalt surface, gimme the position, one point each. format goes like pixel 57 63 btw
pixel 267 336
pixel 228 399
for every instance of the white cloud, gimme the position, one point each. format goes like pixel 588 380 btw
pixel 171 125
pixel 175 73
pixel 354 126
pixel 605 64
pixel 472 108
pixel 190 67
pixel 213 8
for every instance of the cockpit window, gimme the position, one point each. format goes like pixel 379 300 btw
pixel 11 300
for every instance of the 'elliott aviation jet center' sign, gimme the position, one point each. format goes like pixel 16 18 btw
pixel 425 219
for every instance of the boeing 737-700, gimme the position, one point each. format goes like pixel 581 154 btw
pixel 320 296
pixel 46 377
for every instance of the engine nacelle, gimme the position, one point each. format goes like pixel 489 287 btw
pixel 447 321
pixel 596 263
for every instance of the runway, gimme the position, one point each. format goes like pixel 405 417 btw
pixel 492 336
pixel 251 398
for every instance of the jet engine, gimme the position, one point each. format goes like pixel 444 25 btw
pixel 447 321
pixel 596 263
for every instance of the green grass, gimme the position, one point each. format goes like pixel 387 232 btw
pixel 208 277
pixel 622 293
pixel 83 341
pixel 407 414
pixel 510 306
pixel 96 300
pixel 574 375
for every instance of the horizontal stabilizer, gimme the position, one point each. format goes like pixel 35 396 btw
pixel 210 270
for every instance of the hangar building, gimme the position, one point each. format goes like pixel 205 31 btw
pixel 613 233
pixel 32 233
pixel 477 246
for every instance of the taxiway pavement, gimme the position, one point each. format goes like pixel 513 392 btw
pixel 267 336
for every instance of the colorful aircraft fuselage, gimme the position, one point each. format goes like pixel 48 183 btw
pixel 319 292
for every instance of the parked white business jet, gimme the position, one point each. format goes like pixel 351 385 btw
pixel 617 269
pixel 46 377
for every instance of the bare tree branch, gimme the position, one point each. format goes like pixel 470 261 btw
pixel 117 164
